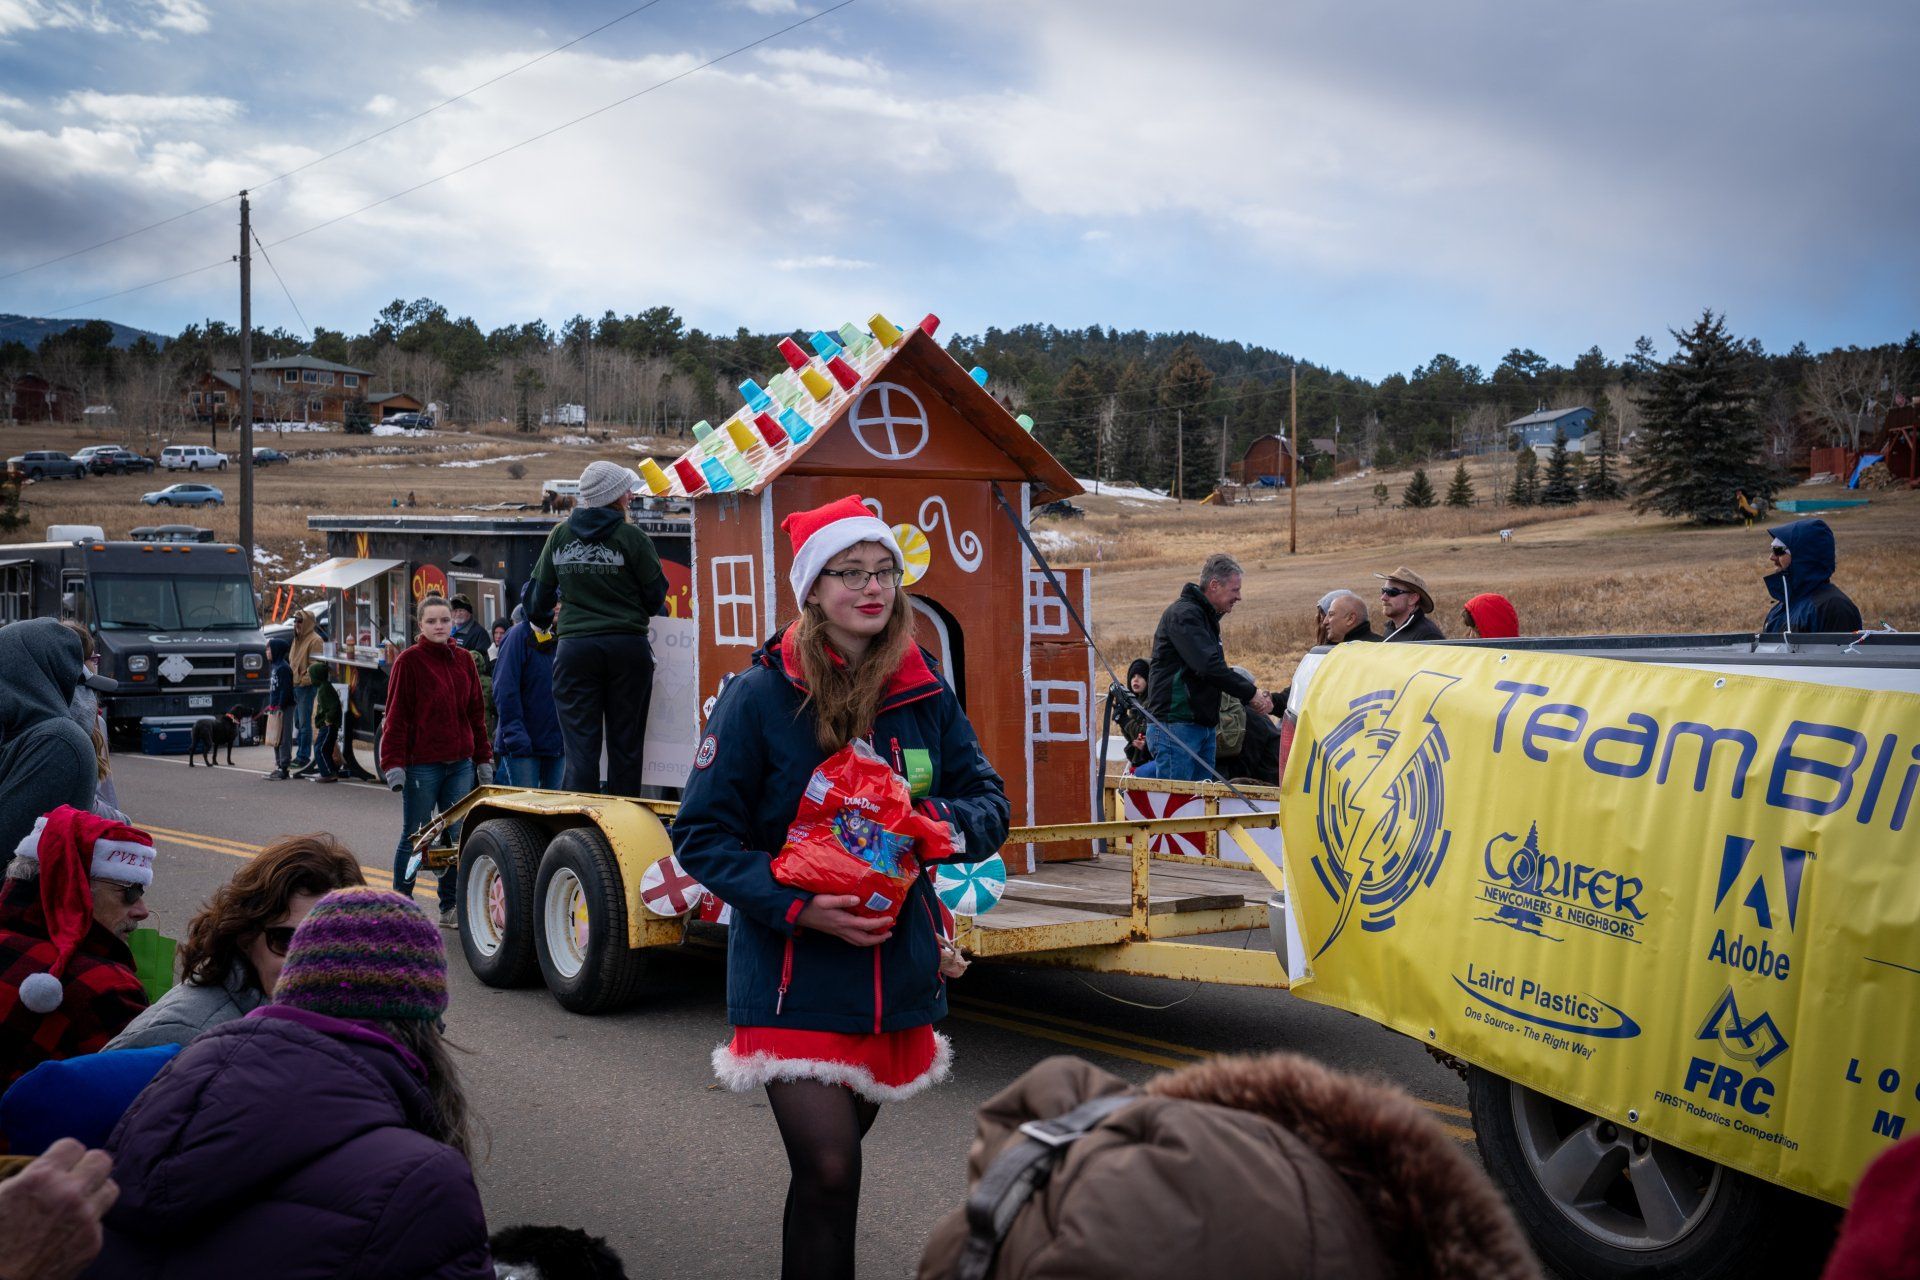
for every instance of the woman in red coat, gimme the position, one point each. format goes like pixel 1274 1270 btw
pixel 433 742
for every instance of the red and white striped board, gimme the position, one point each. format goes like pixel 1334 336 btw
pixel 1169 804
pixel 667 890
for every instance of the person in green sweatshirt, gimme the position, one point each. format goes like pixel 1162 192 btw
pixel 326 720
pixel 606 577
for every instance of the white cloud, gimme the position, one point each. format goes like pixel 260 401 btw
pixel 137 109
pixel 10 103
pixel 147 19
pixel 392 10
pixel 819 62
pixel 771 6
pixel 820 262
pixel 381 104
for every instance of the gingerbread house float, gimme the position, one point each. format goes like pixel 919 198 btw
pixel 891 416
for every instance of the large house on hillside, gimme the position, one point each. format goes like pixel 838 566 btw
pixel 294 389
pixel 1538 430
pixel 32 398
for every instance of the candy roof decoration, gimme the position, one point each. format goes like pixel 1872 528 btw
pixel 778 423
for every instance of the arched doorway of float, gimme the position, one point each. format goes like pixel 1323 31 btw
pixel 938 632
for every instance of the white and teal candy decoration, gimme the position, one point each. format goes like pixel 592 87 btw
pixel 970 888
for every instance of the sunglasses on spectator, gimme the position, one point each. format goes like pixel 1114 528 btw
pixel 278 938
pixel 129 893
pixel 1394 591
pixel 1776 551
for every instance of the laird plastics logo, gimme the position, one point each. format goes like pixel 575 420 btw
pixel 1380 793
pixel 1544 894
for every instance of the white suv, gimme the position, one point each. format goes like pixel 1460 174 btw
pixel 192 457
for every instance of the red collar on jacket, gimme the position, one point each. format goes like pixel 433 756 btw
pixel 913 680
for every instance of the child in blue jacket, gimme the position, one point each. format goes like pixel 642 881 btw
pixel 832 1011
pixel 280 697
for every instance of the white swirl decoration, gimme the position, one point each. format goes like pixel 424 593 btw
pixel 965 549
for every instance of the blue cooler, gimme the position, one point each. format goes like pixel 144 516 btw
pixel 161 736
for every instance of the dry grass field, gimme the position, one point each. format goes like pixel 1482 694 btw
pixel 1581 570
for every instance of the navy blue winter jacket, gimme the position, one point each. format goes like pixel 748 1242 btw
pixel 1804 597
pixel 745 788
pixel 529 724
pixel 280 676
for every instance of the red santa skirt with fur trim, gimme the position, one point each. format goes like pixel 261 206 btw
pixel 889 1067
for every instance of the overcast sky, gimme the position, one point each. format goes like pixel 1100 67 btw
pixel 1364 184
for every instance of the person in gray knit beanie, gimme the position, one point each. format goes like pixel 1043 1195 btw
pixel 604 573
pixel 603 484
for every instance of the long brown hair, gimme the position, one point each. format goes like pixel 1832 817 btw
pixel 452 1122
pixel 845 697
pixel 258 895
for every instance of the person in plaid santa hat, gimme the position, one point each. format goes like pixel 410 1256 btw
pixel 72 895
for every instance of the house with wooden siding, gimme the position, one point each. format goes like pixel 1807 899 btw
pixel 293 389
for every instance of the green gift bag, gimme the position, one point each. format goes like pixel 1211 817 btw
pixel 153 960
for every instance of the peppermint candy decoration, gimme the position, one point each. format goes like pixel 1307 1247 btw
pixel 970 888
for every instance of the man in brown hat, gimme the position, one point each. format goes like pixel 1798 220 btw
pixel 1405 600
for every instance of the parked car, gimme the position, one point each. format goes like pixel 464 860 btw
pixel 192 457
pixel 47 464
pixel 265 457
pixel 185 495
pixel 86 456
pixel 113 459
pixel 407 420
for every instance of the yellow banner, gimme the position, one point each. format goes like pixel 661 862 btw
pixel 1686 901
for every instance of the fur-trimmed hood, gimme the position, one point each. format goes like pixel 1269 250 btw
pixel 1270 1165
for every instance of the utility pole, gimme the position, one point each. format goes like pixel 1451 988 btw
pixel 1293 489
pixel 1336 446
pixel 246 384
pixel 1223 447
pixel 1179 455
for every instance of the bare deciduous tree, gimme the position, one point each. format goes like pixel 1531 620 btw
pixel 1849 391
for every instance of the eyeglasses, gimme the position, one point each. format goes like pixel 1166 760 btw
pixel 129 893
pixel 1776 551
pixel 857 579
pixel 278 938
pixel 1391 592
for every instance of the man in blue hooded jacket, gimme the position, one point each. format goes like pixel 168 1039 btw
pixel 1801 584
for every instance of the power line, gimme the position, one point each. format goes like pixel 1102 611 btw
pixel 304 326
pixel 380 133
pixel 579 119
pixel 547 133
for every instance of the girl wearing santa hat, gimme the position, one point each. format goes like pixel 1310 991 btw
pixel 832 1011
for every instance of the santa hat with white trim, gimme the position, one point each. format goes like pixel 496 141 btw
pixel 824 532
pixel 74 849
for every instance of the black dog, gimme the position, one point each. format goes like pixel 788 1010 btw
pixel 557 1253
pixel 214 732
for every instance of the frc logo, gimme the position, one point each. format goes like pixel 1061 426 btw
pixel 1754 1042
pixel 1381 792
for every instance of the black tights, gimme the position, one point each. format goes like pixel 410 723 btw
pixel 821 1125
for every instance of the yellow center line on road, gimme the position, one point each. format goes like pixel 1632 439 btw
pixel 376 876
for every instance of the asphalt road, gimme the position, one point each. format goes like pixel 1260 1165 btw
pixel 614 1123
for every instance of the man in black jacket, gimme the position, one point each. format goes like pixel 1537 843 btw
pixel 1190 672
pixel 1405 600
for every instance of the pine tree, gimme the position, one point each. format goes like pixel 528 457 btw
pixel 1070 434
pixel 1184 390
pixel 1419 491
pixel 11 516
pixel 1702 434
pixel 1603 481
pixel 1460 492
pixel 1381 494
pixel 1526 478
pixel 1561 489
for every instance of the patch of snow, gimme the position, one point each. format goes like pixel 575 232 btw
pixel 293 426
pixel 1108 489
pixel 487 462
pixel 574 440
pixel 265 558
pixel 385 429
pixel 1051 541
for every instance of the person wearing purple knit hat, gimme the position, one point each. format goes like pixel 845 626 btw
pixel 330 1121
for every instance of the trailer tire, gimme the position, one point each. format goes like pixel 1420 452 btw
pixel 580 929
pixel 1722 1224
pixel 498 864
